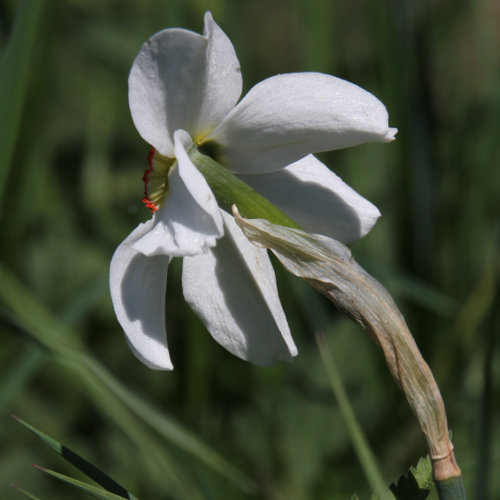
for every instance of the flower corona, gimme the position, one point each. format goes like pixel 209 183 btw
pixel 155 179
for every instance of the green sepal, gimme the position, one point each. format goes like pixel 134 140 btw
pixel 229 190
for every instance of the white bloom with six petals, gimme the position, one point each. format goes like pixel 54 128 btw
pixel 183 90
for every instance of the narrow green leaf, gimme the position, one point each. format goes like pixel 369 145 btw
pixel 14 72
pixel 91 490
pixel 55 445
pixel 358 439
pixel 80 463
pixel 24 492
pixel 60 341
pixel 17 375
pixel 171 430
pixel 155 458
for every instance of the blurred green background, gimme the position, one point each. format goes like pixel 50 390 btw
pixel 216 427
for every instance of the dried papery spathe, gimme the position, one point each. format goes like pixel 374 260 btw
pixel 329 267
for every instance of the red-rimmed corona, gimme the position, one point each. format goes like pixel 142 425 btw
pixel 155 179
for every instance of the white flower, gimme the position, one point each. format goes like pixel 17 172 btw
pixel 184 89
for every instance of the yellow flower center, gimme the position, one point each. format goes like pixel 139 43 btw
pixel 156 186
pixel 156 179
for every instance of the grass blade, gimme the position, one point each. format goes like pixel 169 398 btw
pixel 24 492
pixel 91 490
pixel 171 430
pixel 80 463
pixel 358 440
pixel 54 336
pixel 14 73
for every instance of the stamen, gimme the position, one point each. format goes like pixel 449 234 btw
pixel 156 179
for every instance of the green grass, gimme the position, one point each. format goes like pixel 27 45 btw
pixel 70 169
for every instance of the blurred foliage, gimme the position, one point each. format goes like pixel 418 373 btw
pixel 73 193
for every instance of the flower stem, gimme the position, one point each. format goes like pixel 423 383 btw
pixel 229 191
pixel 451 489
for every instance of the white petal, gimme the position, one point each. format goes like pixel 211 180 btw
pixel 138 284
pixel 182 80
pixel 222 83
pixel 286 117
pixel 189 221
pixel 317 199
pixel 232 288
pixel 162 84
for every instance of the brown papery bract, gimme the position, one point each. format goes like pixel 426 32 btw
pixel 329 267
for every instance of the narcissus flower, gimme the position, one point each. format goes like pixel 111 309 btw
pixel 183 92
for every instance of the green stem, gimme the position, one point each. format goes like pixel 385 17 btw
pixel 229 191
pixel 358 440
pixel 451 489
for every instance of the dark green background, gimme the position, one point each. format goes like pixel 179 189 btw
pixel 73 193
